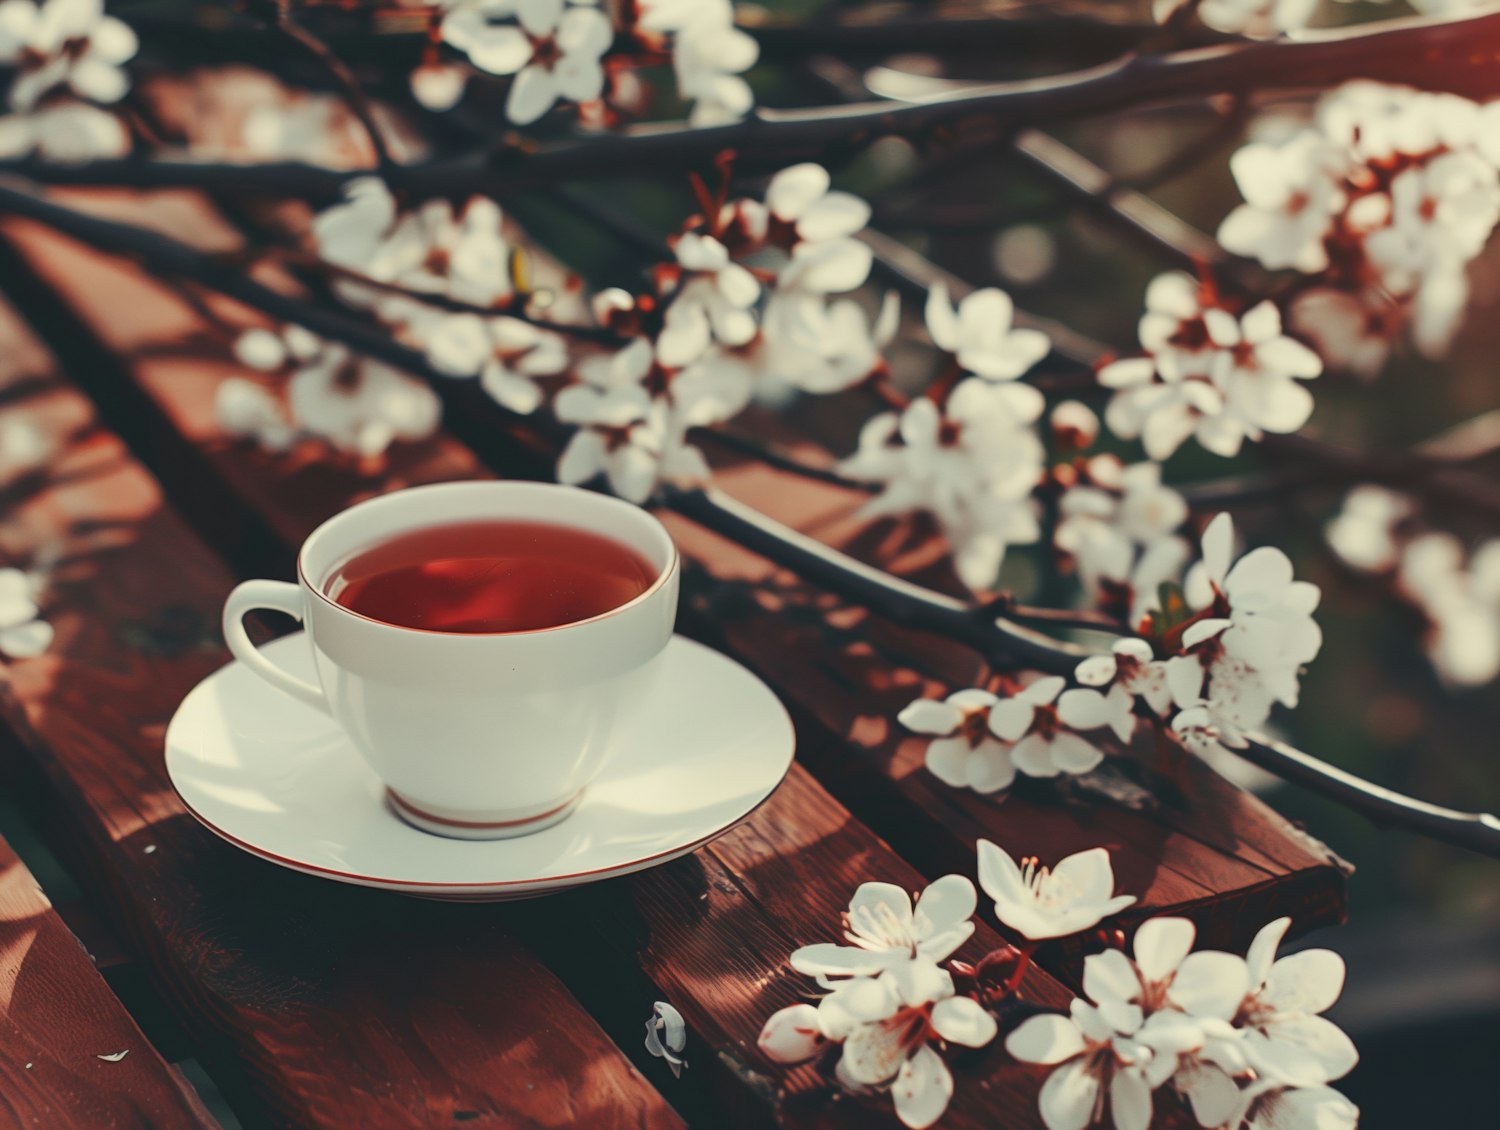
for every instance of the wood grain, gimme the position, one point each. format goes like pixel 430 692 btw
pixel 62 1029
pixel 343 1007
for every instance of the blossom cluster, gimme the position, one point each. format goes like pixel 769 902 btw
pixel 1458 593
pixel 564 51
pixel 68 60
pixel 1241 1040
pixel 1384 200
pixel 353 403
pixel 1118 528
pixel 968 452
pixel 1208 370
pixel 890 1003
pixel 1210 668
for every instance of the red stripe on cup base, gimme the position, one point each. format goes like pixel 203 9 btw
pixel 472 826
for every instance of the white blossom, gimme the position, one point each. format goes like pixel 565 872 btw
pixel 963 753
pixel 1247 649
pixel 709 54
pixel 980 334
pixel 1350 331
pixel 1039 903
pixel 887 932
pixel 356 404
pixel 1204 1021
pixel 553 50
pixel 891 1007
pixel 431 250
pixel 1042 721
pixel 1389 196
pixel 1130 671
pixel 69 43
pixel 1097 1062
pixel 1364 532
pixel 632 437
pixel 1207 374
pixel 800 197
pixel 67 132
pixel 1119 530
pixel 1285 1038
pixel 23 632
pixel 1460 601
pixel 1271 1105
pixel 973 464
pixel 713 302
pixel 507 355
pixel 1291 197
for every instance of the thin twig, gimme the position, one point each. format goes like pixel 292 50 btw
pixel 354 96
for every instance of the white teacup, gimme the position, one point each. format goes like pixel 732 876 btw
pixel 476 736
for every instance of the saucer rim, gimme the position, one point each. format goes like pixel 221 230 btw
pixel 540 883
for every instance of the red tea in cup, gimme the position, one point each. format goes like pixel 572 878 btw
pixel 490 577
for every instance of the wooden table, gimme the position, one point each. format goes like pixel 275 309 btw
pixel 320 1005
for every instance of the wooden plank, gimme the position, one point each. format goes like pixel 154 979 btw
pixel 70 1055
pixel 343 1007
pixel 711 932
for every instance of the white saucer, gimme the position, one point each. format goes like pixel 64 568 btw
pixel 281 780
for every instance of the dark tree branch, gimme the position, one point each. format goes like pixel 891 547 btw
pixel 1439 54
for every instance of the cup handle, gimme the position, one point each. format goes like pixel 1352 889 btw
pixel 278 596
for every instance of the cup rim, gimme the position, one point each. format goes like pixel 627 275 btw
pixel 668 570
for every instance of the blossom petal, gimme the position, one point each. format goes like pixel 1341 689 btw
pixel 1032 755
pixel 1130 1101
pixel 1210 984
pixel 948 760
pixel 871 898
pixel 1047 1038
pixel 531 95
pixel 828 959
pixel 942 319
pixel 1262 950
pixel 923 1087
pixel 836 214
pixel 1160 945
pixel 931 716
pixel 961 1020
pixel 794 189
pixel 1011 718
pixel 1096 670
pixel 1088 874
pixel 1072 753
pixel 1303 1050
pixel 1109 979
pixel 948 901
pixel 1218 547
pixel 27 640
pixel 990 767
pixel 1083 709
pixel 792 1035
pixel 1309 981
pixel 999 875
pixel 1068 1096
